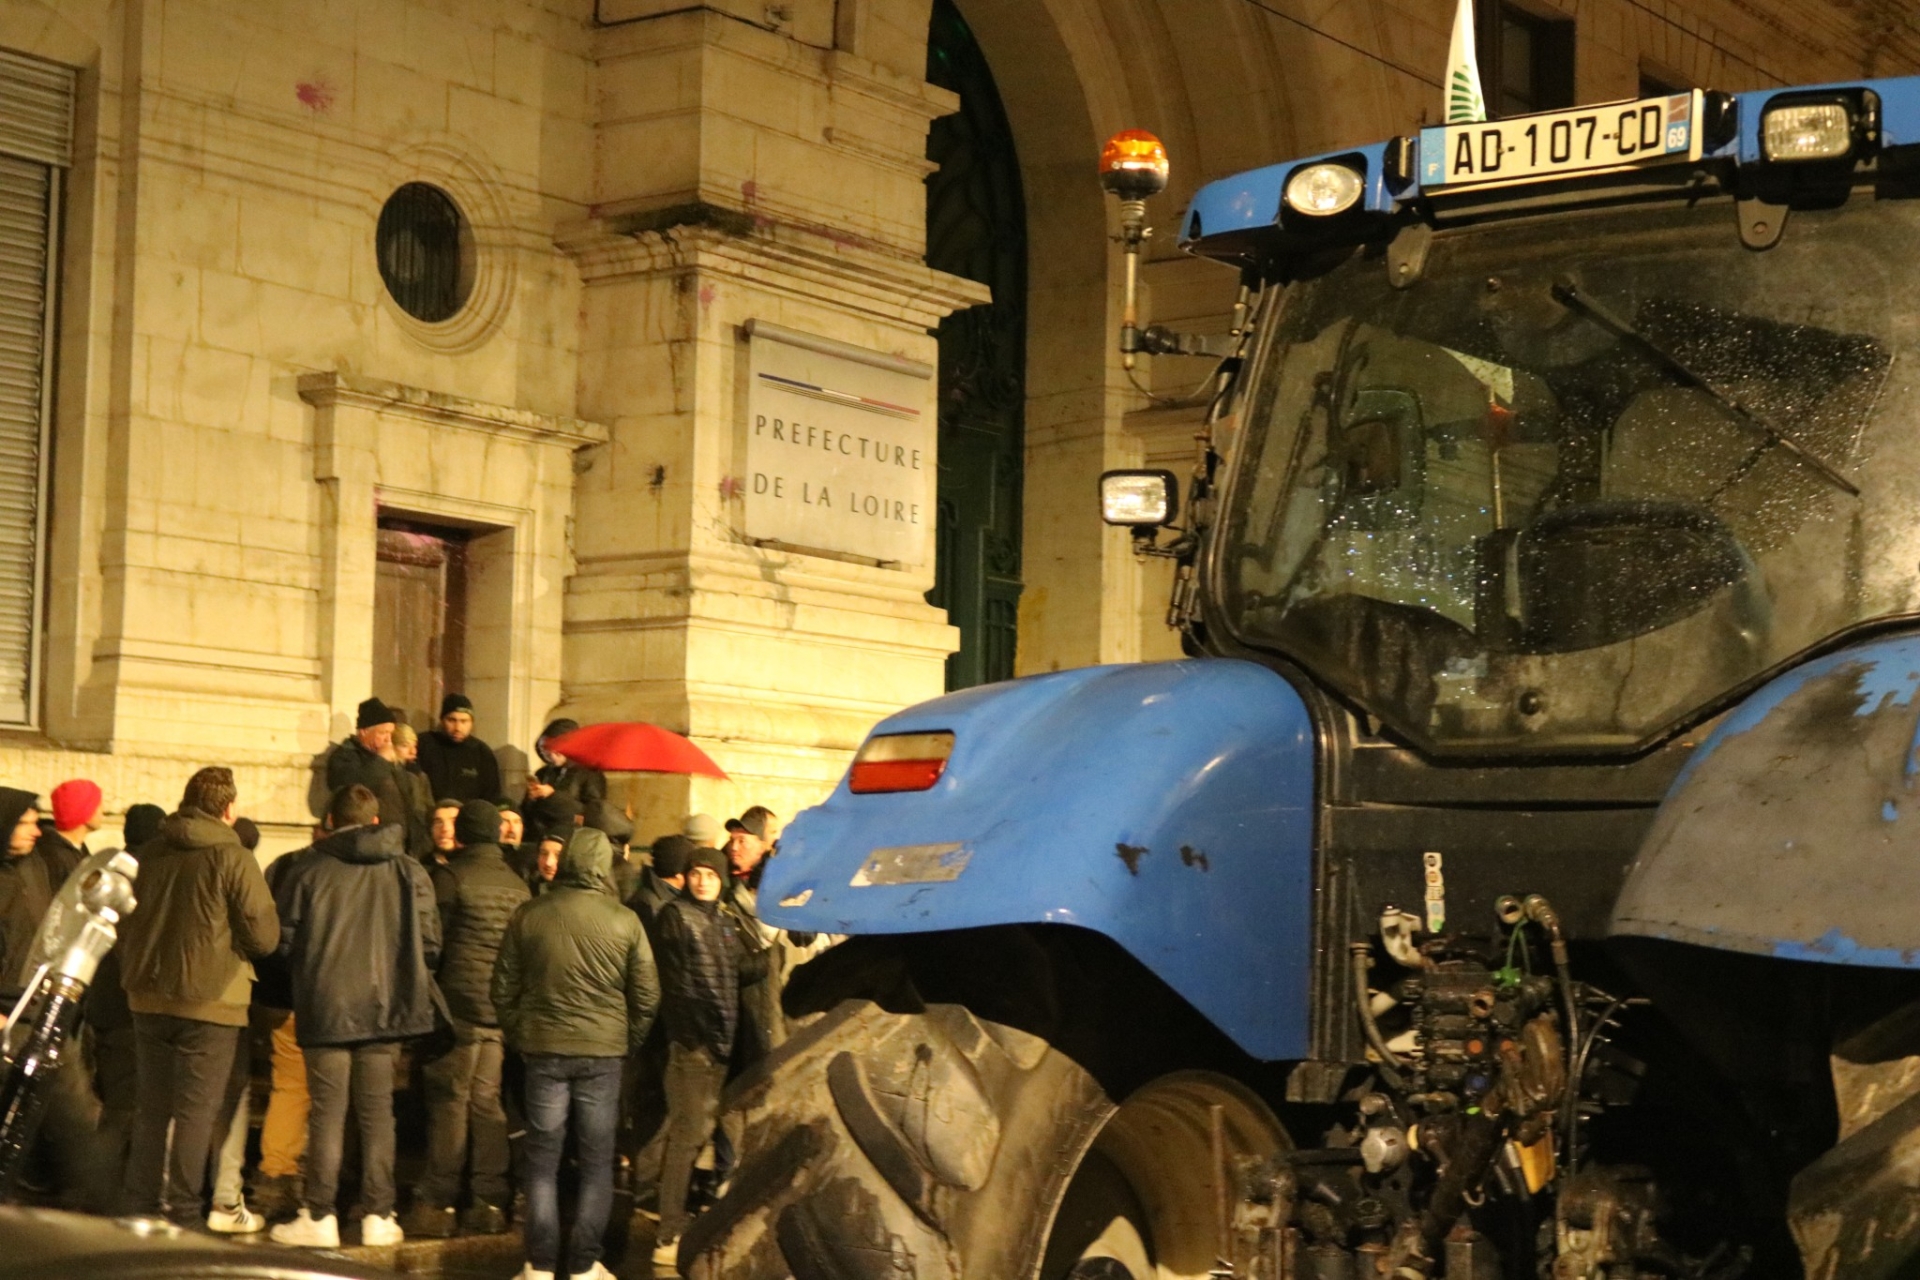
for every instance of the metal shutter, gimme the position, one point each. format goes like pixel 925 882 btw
pixel 36 110
pixel 36 128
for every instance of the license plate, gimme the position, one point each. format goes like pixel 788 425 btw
pixel 1621 135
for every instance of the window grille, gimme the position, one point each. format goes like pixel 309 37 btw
pixel 426 252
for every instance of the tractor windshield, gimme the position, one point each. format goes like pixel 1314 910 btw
pixel 1590 474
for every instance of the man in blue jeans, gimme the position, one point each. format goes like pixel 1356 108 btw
pixel 575 991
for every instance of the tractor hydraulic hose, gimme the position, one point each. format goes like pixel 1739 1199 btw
pixel 1390 1063
pixel 1541 912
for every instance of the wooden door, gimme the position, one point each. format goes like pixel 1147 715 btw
pixel 418 620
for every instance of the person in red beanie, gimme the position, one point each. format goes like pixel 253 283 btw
pixel 76 815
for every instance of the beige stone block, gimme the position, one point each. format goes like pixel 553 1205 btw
pixel 639 161
pixel 188 224
pixel 282 241
pixel 390 100
pixel 509 132
pixel 455 47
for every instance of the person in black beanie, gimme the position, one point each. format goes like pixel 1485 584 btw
pixel 478 894
pixel 361 760
pixel 458 765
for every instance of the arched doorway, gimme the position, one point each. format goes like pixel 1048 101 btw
pixel 976 228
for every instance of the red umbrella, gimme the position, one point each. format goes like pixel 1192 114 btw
pixel 634 748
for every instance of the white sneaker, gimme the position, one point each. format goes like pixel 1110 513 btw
pixel 237 1221
pixel 308 1232
pixel 597 1271
pixel 666 1254
pixel 528 1273
pixel 381 1230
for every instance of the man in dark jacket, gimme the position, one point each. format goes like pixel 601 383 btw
pixel 700 959
pixel 362 760
pixel 205 912
pixel 576 991
pixel 361 933
pixel 458 765
pixel 116 1073
pixel 586 787
pixel 661 882
pixel 478 893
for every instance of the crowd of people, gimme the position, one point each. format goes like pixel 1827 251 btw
pixel 537 974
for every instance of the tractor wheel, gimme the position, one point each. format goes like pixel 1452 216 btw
pixel 985 1109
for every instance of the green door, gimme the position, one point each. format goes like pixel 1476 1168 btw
pixel 977 228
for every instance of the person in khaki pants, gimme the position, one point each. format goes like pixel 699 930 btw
pixel 283 1133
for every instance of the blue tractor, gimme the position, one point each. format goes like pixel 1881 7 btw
pixel 1521 876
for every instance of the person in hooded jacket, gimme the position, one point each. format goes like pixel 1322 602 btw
pixel 205 912
pixel 361 932
pixel 33 870
pixel 576 991
pixel 703 966
pixel 478 894
pixel 586 787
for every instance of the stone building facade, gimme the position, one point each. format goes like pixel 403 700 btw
pixel 252 442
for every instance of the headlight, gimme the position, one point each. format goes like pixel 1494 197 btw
pixel 1812 131
pixel 1138 498
pixel 1324 189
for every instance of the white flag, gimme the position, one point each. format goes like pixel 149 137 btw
pixel 1464 102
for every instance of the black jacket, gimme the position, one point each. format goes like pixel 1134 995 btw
pixel 699 975
pixel 575 975
pixel 458 770
pixel 27 886
pixel 478 894
pixel 647 901
pixel 361 933
pixel 586 787
pixel 350 763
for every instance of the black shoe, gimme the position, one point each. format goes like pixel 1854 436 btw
pixel 276 1198
pixel 429 1222
pixel 483 1219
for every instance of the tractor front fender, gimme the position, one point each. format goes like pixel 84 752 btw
pixel 1791 832
pixel 1168 806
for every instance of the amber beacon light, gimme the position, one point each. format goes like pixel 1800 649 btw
pixel 1133 166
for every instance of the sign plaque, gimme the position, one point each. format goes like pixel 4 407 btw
pixel 840 445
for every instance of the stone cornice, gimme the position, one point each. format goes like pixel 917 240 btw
pixel 331 388
pixel 812 262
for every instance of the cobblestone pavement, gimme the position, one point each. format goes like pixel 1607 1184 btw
pixel 494 1257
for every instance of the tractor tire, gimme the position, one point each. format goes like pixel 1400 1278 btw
pixel 980 1106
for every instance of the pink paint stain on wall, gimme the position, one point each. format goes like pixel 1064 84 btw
pixel 749 191
pixel 315 95
pixel 707 295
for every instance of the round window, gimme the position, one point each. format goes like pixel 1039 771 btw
pixel 426 252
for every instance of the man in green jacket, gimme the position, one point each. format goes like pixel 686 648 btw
pixel 205 914
pixel 575 991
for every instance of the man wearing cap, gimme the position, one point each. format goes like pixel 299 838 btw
pixel 361 760
pixel 478 893
pixel 458 765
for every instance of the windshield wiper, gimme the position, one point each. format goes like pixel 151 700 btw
pixel 1568 295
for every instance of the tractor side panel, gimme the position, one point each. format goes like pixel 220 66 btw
pixel 1792 832
pixel 1168 806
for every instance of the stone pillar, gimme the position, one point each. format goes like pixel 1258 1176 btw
pixel 745 175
